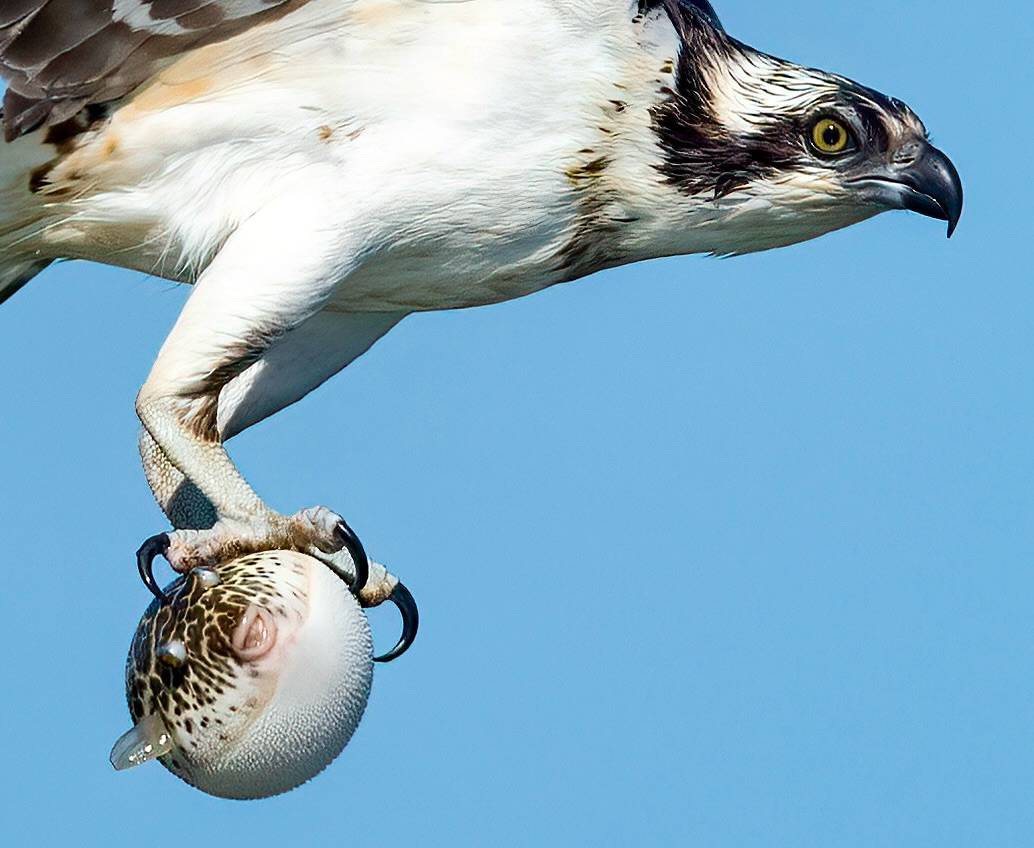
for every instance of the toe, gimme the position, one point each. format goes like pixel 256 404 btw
pixel 318 527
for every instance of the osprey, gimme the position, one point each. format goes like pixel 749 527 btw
pixel 320 169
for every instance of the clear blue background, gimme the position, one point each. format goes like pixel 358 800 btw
pixel 712 553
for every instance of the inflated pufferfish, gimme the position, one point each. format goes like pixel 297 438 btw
pixel 249 679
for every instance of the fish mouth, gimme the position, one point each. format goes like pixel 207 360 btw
pixel 255 635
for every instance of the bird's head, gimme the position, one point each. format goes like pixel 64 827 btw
pixel 767 153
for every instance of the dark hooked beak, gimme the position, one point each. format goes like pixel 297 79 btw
pixel 929 185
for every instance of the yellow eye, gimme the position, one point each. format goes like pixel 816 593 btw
pixel 830 136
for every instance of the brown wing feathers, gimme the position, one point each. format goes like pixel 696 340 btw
pixel 59 56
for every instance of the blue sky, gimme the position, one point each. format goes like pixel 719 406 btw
pixel 719 553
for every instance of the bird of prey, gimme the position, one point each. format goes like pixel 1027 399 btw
pixel 320 169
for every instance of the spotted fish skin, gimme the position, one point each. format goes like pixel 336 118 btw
pixel 191 695
pixel 259 673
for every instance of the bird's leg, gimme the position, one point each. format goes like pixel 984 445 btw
pixel 244 524
pixel 180 500
pixel 188 509
pixel 273 274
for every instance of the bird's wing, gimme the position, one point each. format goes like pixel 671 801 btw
pixel 60 56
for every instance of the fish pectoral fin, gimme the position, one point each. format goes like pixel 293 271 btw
pixel 148 740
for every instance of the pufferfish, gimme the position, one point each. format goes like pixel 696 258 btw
pixel 249 679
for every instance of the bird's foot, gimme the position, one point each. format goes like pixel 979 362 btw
pixel 381 586
pixel 317 531
pixel 371 582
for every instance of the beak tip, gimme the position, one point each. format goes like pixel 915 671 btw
pixel 947 185
pixel 955 212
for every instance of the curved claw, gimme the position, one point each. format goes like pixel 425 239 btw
pixel 153 547
pixel 355 550
pixel 401 598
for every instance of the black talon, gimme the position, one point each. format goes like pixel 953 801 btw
pixel 153 547
pixel 359 559
pixel 401 598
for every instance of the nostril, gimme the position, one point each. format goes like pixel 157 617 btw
pixel 254 637
pixel 907 153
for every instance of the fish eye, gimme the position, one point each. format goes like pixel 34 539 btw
pixel 172 654
pixel 830 137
